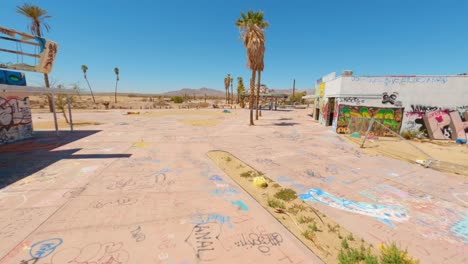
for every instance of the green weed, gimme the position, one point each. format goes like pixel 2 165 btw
pixel 286 195
pixel 305 219
pixel 276 204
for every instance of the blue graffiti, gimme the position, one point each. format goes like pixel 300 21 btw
pixel 328 179
pixel 460 229
pixel 381 212
pixel 211 218
pixel 44 248
pixel 221 192
pixel 216 178
pixel 240 204
pixel 165 170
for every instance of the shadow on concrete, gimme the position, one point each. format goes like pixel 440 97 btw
pixel 286 124
pixel 284 119
pixel 23 158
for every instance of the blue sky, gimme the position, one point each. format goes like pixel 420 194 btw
pixel 167 45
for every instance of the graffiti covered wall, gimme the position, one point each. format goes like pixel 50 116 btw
pixel 417 95
pixel 357 118
pixel 443 124
pixel 15 119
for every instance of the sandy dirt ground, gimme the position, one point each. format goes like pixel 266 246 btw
pixel 140 189
pixel 446 155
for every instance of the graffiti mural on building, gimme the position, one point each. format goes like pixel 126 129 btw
pixel 352 100
pixel 15 119
pixel 390 99
pixel 387 81
pixel 442 124
pixel 414 122
pixel 357 119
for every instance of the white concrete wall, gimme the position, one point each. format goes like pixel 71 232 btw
pixel 431 91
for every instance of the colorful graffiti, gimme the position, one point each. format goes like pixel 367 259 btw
pixel 414 122
pixel 12 78
pixel 436 220
pixel 385 213
pixel 15 119
pixel 357 119
pixel 446 125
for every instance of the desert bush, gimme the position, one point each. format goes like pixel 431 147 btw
pixel 305 219
pixel 286 195
pixel 392 254
pixel 177 99
pixel 296 208
pixel 407 134
pixel 276 204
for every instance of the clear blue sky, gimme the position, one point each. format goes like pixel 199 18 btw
pixel 166 45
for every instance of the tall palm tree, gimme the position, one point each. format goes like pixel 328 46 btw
pixel 116 70
pixel 227 82
pixel 38 18
pixel 232 91
pixel 84 68
pixel 252 27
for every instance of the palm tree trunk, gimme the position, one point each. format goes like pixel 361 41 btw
pixel 258 94
pixel 232 94
pixel 116 82
pixel 252 95
pixel 89 86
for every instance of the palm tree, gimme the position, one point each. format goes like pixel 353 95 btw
pixel 116 70
pixel 38 18
pixel 232 91
pixel 252 27
pixel 240 90
pixel 84 68
pixel 227 82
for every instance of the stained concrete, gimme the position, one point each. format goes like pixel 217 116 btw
pixel 137 190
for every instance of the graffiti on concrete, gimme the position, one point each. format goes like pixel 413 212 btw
pixel 357 119
pixel 383 212
pixel 111 252
pixel 436 220
pixel 203 240
pixel 15 119
pixel 263 242
pixel 44 248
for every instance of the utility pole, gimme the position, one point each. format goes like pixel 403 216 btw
pixel 294 87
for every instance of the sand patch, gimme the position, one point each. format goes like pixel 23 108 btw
pixel 38 125
pixel 200 122
pixel 185 112
pixel 449 156
pixel 317 231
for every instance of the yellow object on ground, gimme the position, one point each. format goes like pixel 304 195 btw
pixel 260 182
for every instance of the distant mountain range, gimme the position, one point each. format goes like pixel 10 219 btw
pixel 196 92
pixel 201 92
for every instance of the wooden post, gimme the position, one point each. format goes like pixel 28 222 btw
pixel 55 114
pixel 367 133
pixel 70 113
